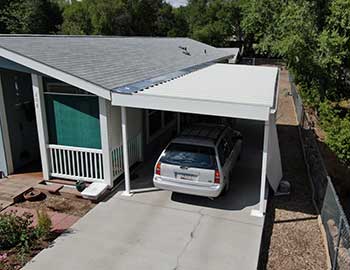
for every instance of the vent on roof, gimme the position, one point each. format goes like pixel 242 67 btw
pixel 185 50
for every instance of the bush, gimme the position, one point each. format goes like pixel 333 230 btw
pixel 44 225
pixel 337 130
pixel 16 231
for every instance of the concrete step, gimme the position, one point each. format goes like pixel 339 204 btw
pixel 52 188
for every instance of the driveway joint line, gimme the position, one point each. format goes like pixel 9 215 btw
pixel 191 211
pixel 192 233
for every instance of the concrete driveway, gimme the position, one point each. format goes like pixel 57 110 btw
pixel 163 230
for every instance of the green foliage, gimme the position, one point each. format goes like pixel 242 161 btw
pixel 337 131
pixel 215 22
pixel 16 231
pixel 30 16
pixel 43 228
pixel 313 38
pixel 77 20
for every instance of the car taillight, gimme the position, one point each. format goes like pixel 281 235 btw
pixel 217 177
pixel 158 168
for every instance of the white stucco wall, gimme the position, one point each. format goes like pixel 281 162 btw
pixel 134 123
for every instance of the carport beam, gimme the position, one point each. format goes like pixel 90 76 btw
pixel 260 212
pixel 125 153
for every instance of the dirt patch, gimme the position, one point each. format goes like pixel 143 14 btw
pixel 292 237
pixel 63 203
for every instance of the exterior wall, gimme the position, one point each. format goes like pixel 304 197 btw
pixel 134 120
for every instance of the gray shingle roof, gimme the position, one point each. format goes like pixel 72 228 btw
pixel 113 62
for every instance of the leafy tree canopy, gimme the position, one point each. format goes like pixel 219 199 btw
pixel 29 16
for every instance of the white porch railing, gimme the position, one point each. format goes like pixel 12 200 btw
pixel 76 163
pixel 135 154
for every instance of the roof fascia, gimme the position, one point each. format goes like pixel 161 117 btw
pixel 207 107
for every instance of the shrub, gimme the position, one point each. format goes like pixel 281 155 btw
pixel 44 225
pixel 337 130
pixel 16 231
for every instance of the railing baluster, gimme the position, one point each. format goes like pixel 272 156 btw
pixel 74 162
pixel 51 158
pixel 95 163
pixel 60 160
pixel 65 161
pixel 91 166
pixel 101 167
pixel 69 153
pixel 77 158
pixel 56 166
pixel 86 164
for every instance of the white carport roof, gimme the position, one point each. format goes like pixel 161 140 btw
pixel 239 91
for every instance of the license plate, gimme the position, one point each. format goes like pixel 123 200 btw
pixel 185 176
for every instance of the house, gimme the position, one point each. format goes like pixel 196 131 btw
pixel 72 102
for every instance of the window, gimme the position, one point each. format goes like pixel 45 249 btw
pixel 53 86
pixel 196 156
pixel 225 148
pixel 221 152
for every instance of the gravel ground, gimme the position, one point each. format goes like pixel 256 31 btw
pixel 292 237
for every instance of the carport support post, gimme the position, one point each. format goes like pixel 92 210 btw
pixel 125 153
pixel 40 114
pixel 260 212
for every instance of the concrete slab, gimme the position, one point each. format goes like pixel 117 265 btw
pixel 157 229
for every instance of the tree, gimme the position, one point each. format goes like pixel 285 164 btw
pixel 31 16
pixel 215 22
pixel 180 26
pixel 76 19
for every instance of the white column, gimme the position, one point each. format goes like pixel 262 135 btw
pixel 260 212
pixel 5 133
pixel 105 119
pixel 41 122
pixel 125 153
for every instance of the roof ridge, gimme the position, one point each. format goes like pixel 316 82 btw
pixel 88 36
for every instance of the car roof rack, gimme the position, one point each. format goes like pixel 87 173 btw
pixel 205 131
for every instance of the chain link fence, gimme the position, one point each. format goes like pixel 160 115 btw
pixel 325 198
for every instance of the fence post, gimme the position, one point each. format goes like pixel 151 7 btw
pixel 335 260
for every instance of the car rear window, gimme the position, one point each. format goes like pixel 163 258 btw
pixel 190 155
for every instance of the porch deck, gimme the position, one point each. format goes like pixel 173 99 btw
pixel 15 185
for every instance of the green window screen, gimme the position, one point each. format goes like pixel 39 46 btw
pixel 73 120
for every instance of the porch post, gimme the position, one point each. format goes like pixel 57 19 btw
pixel 41 122
pixel 105 119
pixel 260 212
pixel 125 153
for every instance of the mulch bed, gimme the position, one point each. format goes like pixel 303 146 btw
pixel 62 203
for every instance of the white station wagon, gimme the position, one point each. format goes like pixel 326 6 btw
pixel 199 161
